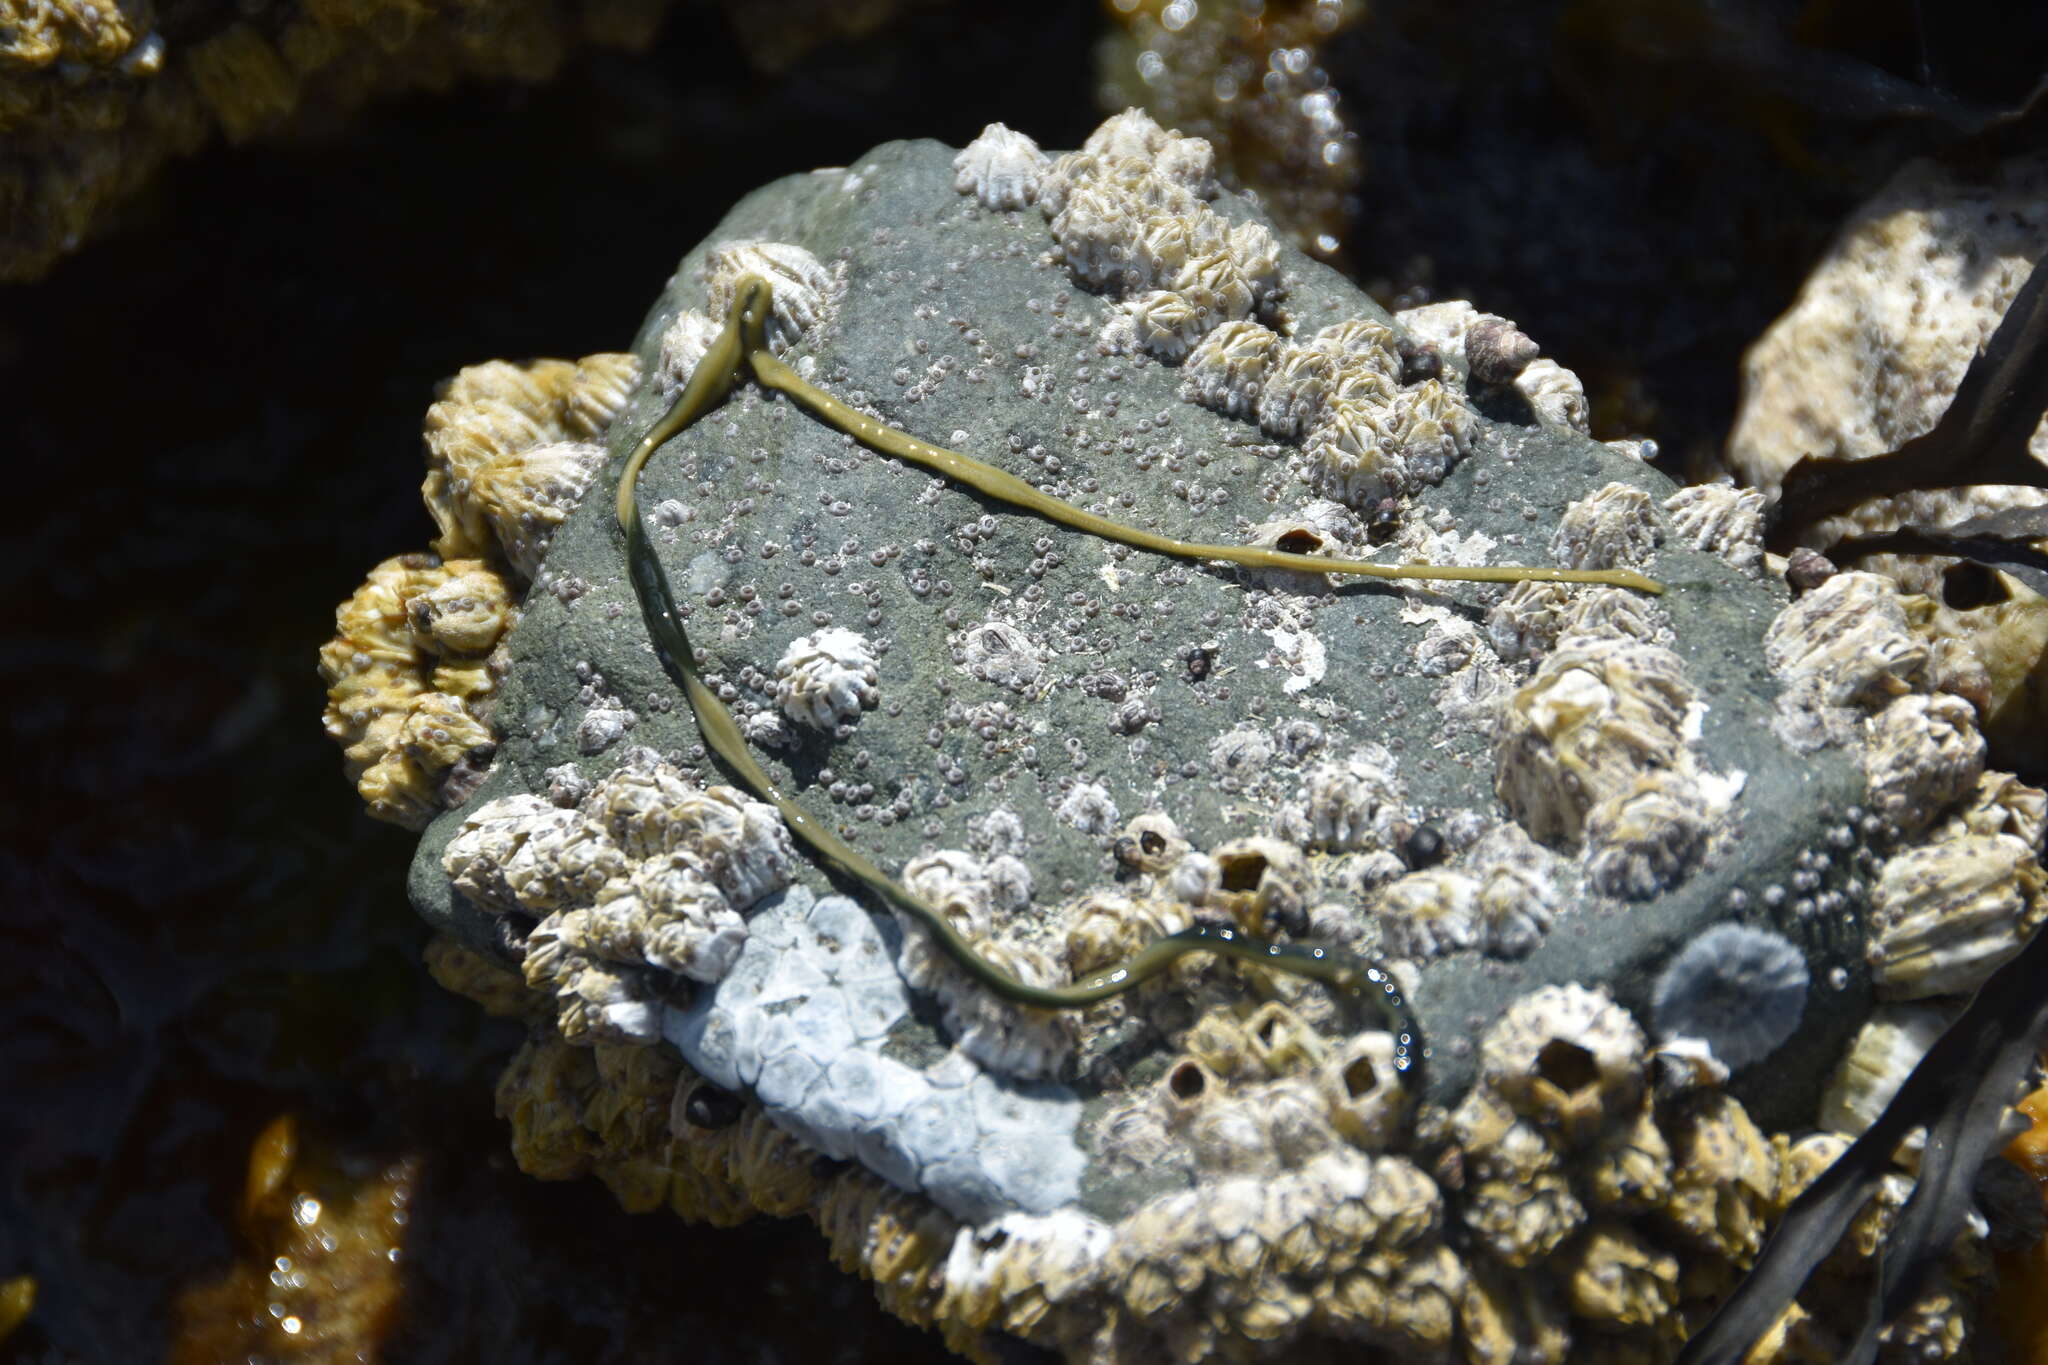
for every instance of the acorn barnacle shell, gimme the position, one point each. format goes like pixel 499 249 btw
pixel 1720 519
pixel 1883 1053
pixel 683 343
pixel 1001 168
pixel 1945 915
pixel 1150 843
pixel 1297 381
pixel 798 283
pixel 1647 839
pixel 1844 647
pixel 525 498
pixel 1366 1100
pixel 1226 372
pixel 827 678
pixel 1599 715
pixel 1921 755
pixel 1343 800
pixel 1555 395
pixel 1430 913
pixel 1611 528
pixel 1354 457
pixel 1133 135
pixel 1565 1056
pixel 1739 989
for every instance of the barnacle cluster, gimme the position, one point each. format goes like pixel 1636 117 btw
pixel 1870 356
pixel 642 879
pixel 510 451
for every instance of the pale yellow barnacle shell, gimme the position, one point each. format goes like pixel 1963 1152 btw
pixel 637 803
pixel 1260 878
pixel 1999 804
pixel 1363 1091
pixel 1921 754
pixel 1216 286
pixel 1613 1275
pixel 1599 715
pixel 799 284
pixel 1724 1176
pixel 1346 802
pixel 1610 528
pixel 1720 519
pixel 827 678
pixel 957 886
pixel 742 842
pixel 1096 229
pixel 1628 1169
pixel 1527 622
pixel 598 392
pixel 1364 346
pixel 1167 324
pixel 524 498
pixel 1519 892
pixel 1296 384
pixel 1167 243
pixel 1647 839
pixel 1567 1057
pixel 1431 428
pixel 1150 842
pixel 1107 928
pixel 1001 168
pixel 684 343
pixel 1945 915
pixel 1844 648
pixel 475 858
pixel 564 860
pixel 464 614
pixel 1132 135
pixel 1353 455
pixel 669 914
pixel 1555 395
pixel 1226 372
pixel 1883 1053
pixel 1284 1043
pixel 1430 913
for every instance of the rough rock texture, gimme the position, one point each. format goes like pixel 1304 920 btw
pixel 1868 358
pixel 1088 746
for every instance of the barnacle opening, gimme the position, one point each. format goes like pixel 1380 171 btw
pixel 1567 1066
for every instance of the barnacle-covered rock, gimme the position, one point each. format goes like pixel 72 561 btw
pixel 826 679
pixel 1947 914
pixel 1224 1160
pixel 1720 519
pixel 1921 755
pixel 1738 989
pixel 1565 1056
pixel 1001 168
pixel 799 285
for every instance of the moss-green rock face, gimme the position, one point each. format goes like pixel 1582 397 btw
pixel 1038 688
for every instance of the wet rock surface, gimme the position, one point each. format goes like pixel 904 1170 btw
pixel 958 324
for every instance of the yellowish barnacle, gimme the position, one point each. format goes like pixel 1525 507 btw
pixel 1614 1276
pixel 1599 715
pixel 1567 1057
pixel 1945 915
pixel 1921 754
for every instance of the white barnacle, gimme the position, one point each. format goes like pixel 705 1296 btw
pixel 1648 839
pixel 1352 456
pixel 1946 915
pixel 1343 800
pixel 1432 428
pixel 1001 168
pixel 1096 230
pixel 1845 647
pixel 1430 913
pixel 1362 345
pixel 1296 385
pixel 476 857
pixel 525 497
pixel 1000 653
pixel 1216 285
pixel 669 914
pixel 1739 989
pixel 1226 372
pixel 1134 136
pixel 1720 519
pixel 1088 807
pixel 1555 395
pixel 797 281
pixel 827 678
pixel 1257 254
pixel 1921 755
pixel 1567 1056
pixel 683 343
pixel 1165 323
pixel 1610 528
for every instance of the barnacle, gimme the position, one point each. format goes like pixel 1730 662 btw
pixel 1611 527
pixel 1227 370
pixel 1641 841
pixel 1846 646
pixel 1944 915
pixel 826 679
pixel 1565 1056
pixel 799 286
pixel 1555 395
pixel 1428 914
pixel 1001 168
pixel 1720 519
pixel 1880 1057
pixel 1921 754
pixel 1343 800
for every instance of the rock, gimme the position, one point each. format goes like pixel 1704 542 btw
pixel 1306 751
